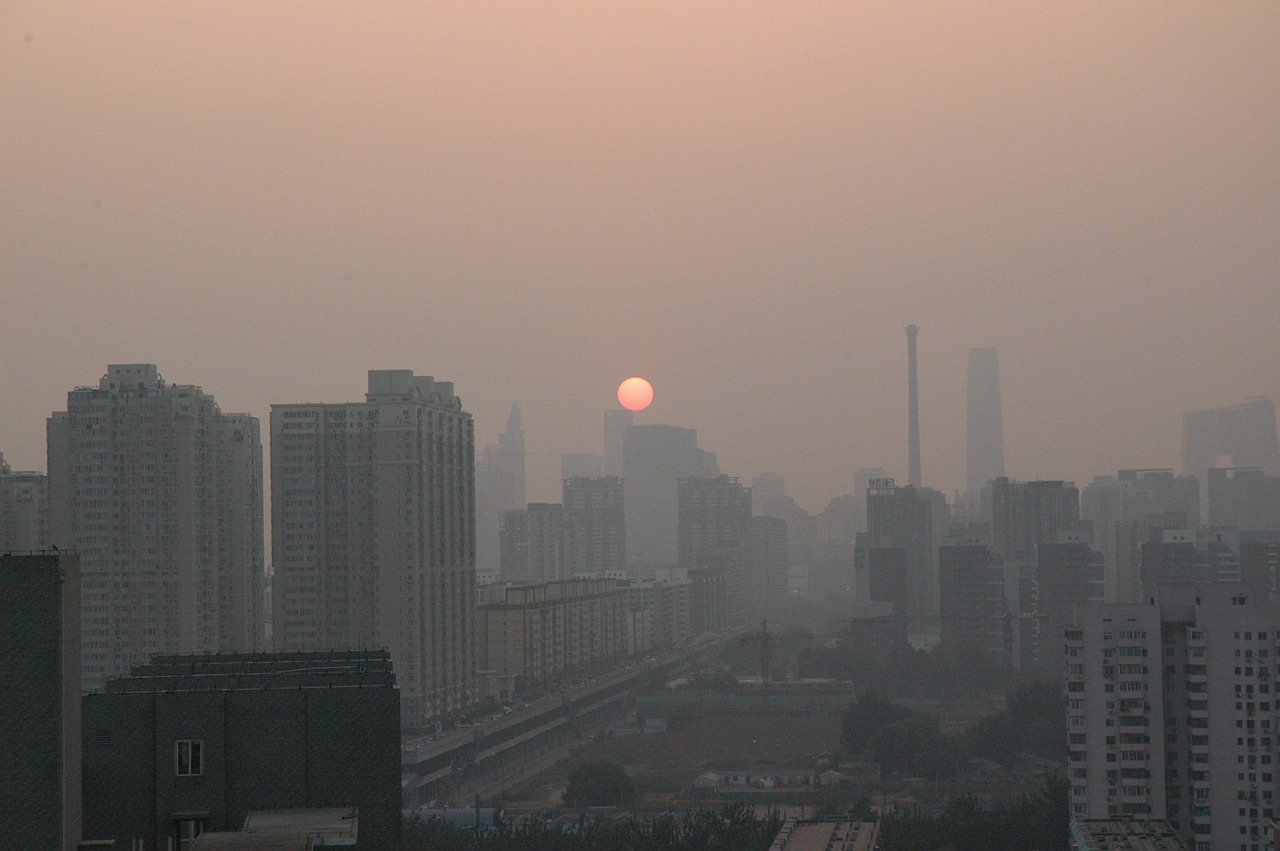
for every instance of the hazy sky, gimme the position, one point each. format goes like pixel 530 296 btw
pixel 743 202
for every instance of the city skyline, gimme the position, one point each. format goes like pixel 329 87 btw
pixel 729 201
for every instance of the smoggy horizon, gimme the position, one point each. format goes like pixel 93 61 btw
pixel 742 203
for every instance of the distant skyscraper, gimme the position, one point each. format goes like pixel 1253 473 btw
pixel 40 701
pixel 769 564
pixel 1235 436
pixel 585 464
pixel 161 495
pixel 1026 514
pixel 373 534
pixel 913 411
pixel 500 486
pixel 596 512
pixel 656 456
pixel 616 424
pixel 985 456
pixel 24 510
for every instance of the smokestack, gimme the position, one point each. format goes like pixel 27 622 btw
pixel 913 411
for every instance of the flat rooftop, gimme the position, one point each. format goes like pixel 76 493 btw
pixel 287 830
pixel 247 671
pixel 832 835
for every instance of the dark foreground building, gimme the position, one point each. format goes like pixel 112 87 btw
pixel 187 744
pixel 40 701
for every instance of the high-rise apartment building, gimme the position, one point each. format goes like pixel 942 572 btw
pixel 596 512
pixel 24 510
pixel 40 701
pixel 373 534
pixel 1172 713
pixel 984 458
pixel 715 535
pixel 161 495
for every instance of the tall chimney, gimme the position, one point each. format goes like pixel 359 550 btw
pixel 913 412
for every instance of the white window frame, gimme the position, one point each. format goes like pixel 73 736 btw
pixel 188 757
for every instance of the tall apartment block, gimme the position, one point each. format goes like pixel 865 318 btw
pixel 596 511
pixel 24 510
pixel 984 456
pixel 715 536
pixel 1173 714
pixel 373 534
pixel 161 495
pixel 40 701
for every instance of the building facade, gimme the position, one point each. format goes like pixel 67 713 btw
pixel 971 602
pixel 1172 713
pixel 161 495
pixel 373 534
pixel 543 634
pixel 40 701
pixel 596 511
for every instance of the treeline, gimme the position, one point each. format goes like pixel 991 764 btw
pixel 733 828
pixel 1038 823
pixel 905 741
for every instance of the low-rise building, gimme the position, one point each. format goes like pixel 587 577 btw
pixel 188 744
pixel 541 634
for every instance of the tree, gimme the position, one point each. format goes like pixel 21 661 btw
pixel 599 784
pixel 870 712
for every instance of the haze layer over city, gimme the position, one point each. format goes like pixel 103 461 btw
pixel 745 203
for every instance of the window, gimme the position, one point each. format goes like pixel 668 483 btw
pixel 188 757
pixel 188 831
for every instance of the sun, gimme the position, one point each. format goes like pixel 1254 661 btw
pixel 635 394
